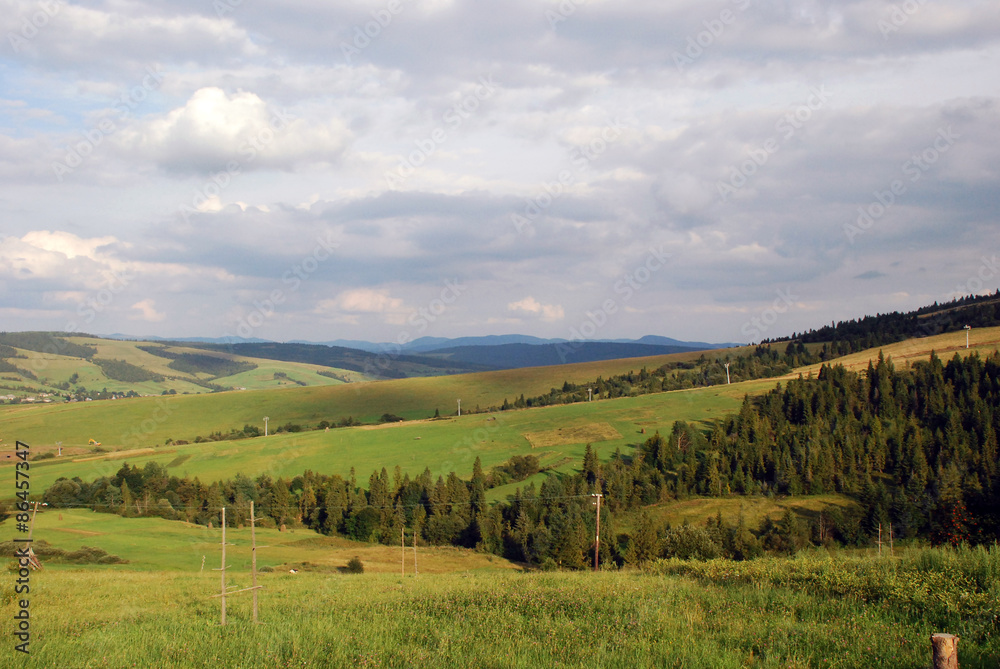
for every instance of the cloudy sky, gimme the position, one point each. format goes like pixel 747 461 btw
pixel 721 170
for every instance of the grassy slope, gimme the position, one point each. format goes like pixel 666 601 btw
pixel 157 544
pixel 985 341
pixel 120 618
pixel 188 416
pixel 443 445
pixel 54 369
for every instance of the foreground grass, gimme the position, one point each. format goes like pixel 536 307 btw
pixel 612 619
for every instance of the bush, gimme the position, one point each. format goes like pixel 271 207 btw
pixel 690 543
pixel 355 566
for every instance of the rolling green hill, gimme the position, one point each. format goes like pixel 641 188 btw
pixel 147 421
pixel 442 445
pixel 58 366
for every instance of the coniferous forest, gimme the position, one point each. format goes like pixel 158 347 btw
pixel 916 449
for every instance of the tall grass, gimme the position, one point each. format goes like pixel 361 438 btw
pixel 954 590
pixel 769 613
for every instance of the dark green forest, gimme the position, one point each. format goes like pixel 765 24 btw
pixel 917 450
pixel 977 311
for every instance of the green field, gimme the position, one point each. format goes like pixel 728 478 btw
pixel 442 445
pixel 148 421
pixel 154 544
pixel 814 611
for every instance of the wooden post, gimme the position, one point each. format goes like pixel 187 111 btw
pixel 33 560
pixel 945 651
pixel 880 539
pixel 415 572
pixel 597 532
pixel 402 551
pixel 253 560
pixel 223 595
pixel 890 540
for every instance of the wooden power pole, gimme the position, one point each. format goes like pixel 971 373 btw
pixel 597 531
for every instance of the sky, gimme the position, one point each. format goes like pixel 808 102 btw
pixel 711 170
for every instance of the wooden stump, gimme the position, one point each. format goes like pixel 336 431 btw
pixel 945 651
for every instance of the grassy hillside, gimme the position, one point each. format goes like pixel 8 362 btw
pixel 57 373
pixel 442 445
pixel 982 340
pixel 153 544
pixel 814 611
pixel 153 420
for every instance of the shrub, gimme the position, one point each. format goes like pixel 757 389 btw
pixel 355 566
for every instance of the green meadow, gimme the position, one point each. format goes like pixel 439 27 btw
pixel 157 545
pixel 442 445
pixel 690 618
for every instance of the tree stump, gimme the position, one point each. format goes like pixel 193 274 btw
pixel 945 651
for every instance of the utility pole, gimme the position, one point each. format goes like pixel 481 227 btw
pixel 402 551
pixel 253 560
pixel 415 572
pixel 597 532
pixel 265 425
pixel 223 569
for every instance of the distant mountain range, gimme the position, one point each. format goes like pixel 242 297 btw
pixel 429 344
pixel 438 355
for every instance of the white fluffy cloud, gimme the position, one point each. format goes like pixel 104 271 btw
pixel 221 186
pixel 236 132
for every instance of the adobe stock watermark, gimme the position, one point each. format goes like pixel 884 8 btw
pixel 264 309
pixel 989 268
pixel 420 321
pixel 562 12
pixel 31 25
pixel 224 8
pixel 626 288
pixel 452 119
pixel 786 127
pixel 364 35
pixel 899 15
pixel 913 169
pixel 581 157
pixel 248 152
pixel 761 323
pixel 78 152
pixel 699 42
